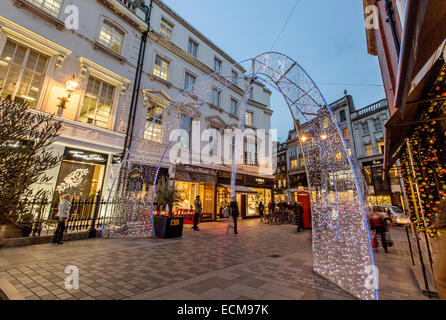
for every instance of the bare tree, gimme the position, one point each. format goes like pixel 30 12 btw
pixel 25 154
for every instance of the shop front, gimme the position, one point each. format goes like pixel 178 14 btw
pixel 193 181
pixel 263 194
pixel 81 175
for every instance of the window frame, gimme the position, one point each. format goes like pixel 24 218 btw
pixel 342 116
pixel 168 24
pixel 115 29
pixel 195 43
pixel 251 117
pixel 192 76
pixel 159 122
pixel 365 129
pixel 23 67
pixel 234 112
pixel 218 62
pixel 42 6
pixel 113 105
pixel 162 59
pixel 216 97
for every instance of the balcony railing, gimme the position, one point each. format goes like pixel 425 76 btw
pixel 371 108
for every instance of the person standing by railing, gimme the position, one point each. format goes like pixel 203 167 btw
pixel 64 214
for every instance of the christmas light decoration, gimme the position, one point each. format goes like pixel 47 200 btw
pixel 341 241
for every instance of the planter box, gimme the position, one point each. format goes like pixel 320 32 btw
pixel 168 228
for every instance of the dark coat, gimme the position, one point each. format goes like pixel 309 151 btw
pixel 234 210
pixel 298 211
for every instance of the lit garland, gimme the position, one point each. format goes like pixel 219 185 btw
pixel 341 244
pixel 428 145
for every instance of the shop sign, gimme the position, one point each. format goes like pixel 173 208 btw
pixel 117 159
pixel 85 156
pixel 196 170
pixel 256 181
pixel 379 162
pixel 228 175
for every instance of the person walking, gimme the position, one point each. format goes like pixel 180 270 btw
pixel 298 211
pixel 64 214
pixel 378 225
pixel 261 209
pixel 234 213
pixel 197 212
pixel 440 225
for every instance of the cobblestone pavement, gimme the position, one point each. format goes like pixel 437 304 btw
pixel 261 262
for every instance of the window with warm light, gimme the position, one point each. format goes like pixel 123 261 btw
pixel 381 146
pixel 345 134
pixel 339 156
pixel 161 68
pixel 111 37
pixel 21 73
pixel 98 103
pixel 166 29
pixel 250 152
pixel 154 124
pixel 294 164
pixel 249 119
pixel 369 149
pixel 52 7
pixel 302 161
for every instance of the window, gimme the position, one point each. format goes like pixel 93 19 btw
pixel 234 76
pixel 294 164
pixel 161 68
pixel 249 119
pixel 216 97
pixel 365 128
pixel 284 183
pixel 280 183
pixel 111 37
pixel 302 161
pixel 52 7
pixel 250 148
pixel 21 73
pixel 345 134
pixel 98 102
pixel 193 48
pixel 217 65
pixel 166 29
pixel 251 93
pixel 378 125
pixel 369 149
pixel 189 82
pixel 234 104
pixel 339 156
pixel 155 131
pixel 343 116
pixel 381 147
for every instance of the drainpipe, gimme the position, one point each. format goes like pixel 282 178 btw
pixel 138 76
pixel 392 23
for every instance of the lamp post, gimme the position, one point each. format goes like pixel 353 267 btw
pixel 70 86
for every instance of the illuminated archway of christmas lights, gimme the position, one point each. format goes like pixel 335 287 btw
pixel 342 251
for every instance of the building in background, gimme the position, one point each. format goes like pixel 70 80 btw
pixel 281 176
pixel 177 56
pixel 363 132
pixel 409 39
pixel 42 63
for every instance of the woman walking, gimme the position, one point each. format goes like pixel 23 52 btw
pixel 234 213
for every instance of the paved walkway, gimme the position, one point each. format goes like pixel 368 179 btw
pixel 261 262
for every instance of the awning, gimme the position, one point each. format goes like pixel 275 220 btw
pixel 240 189
pixel 401 122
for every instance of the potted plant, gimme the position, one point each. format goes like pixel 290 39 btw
pixel 26 222
pixel 168 196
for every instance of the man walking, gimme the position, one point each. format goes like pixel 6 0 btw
pixel 298 212
pixel 64 213
pixel 234 214
pixel 197 212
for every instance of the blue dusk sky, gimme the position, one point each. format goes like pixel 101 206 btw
pixel 326 37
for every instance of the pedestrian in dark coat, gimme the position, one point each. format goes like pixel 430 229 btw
pixel 261 209
pixel 197 212
pixel 234 213
pixel 298 211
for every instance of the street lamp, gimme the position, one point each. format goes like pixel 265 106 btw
pixel 304 138
pixel 324 137
pixel 70 86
